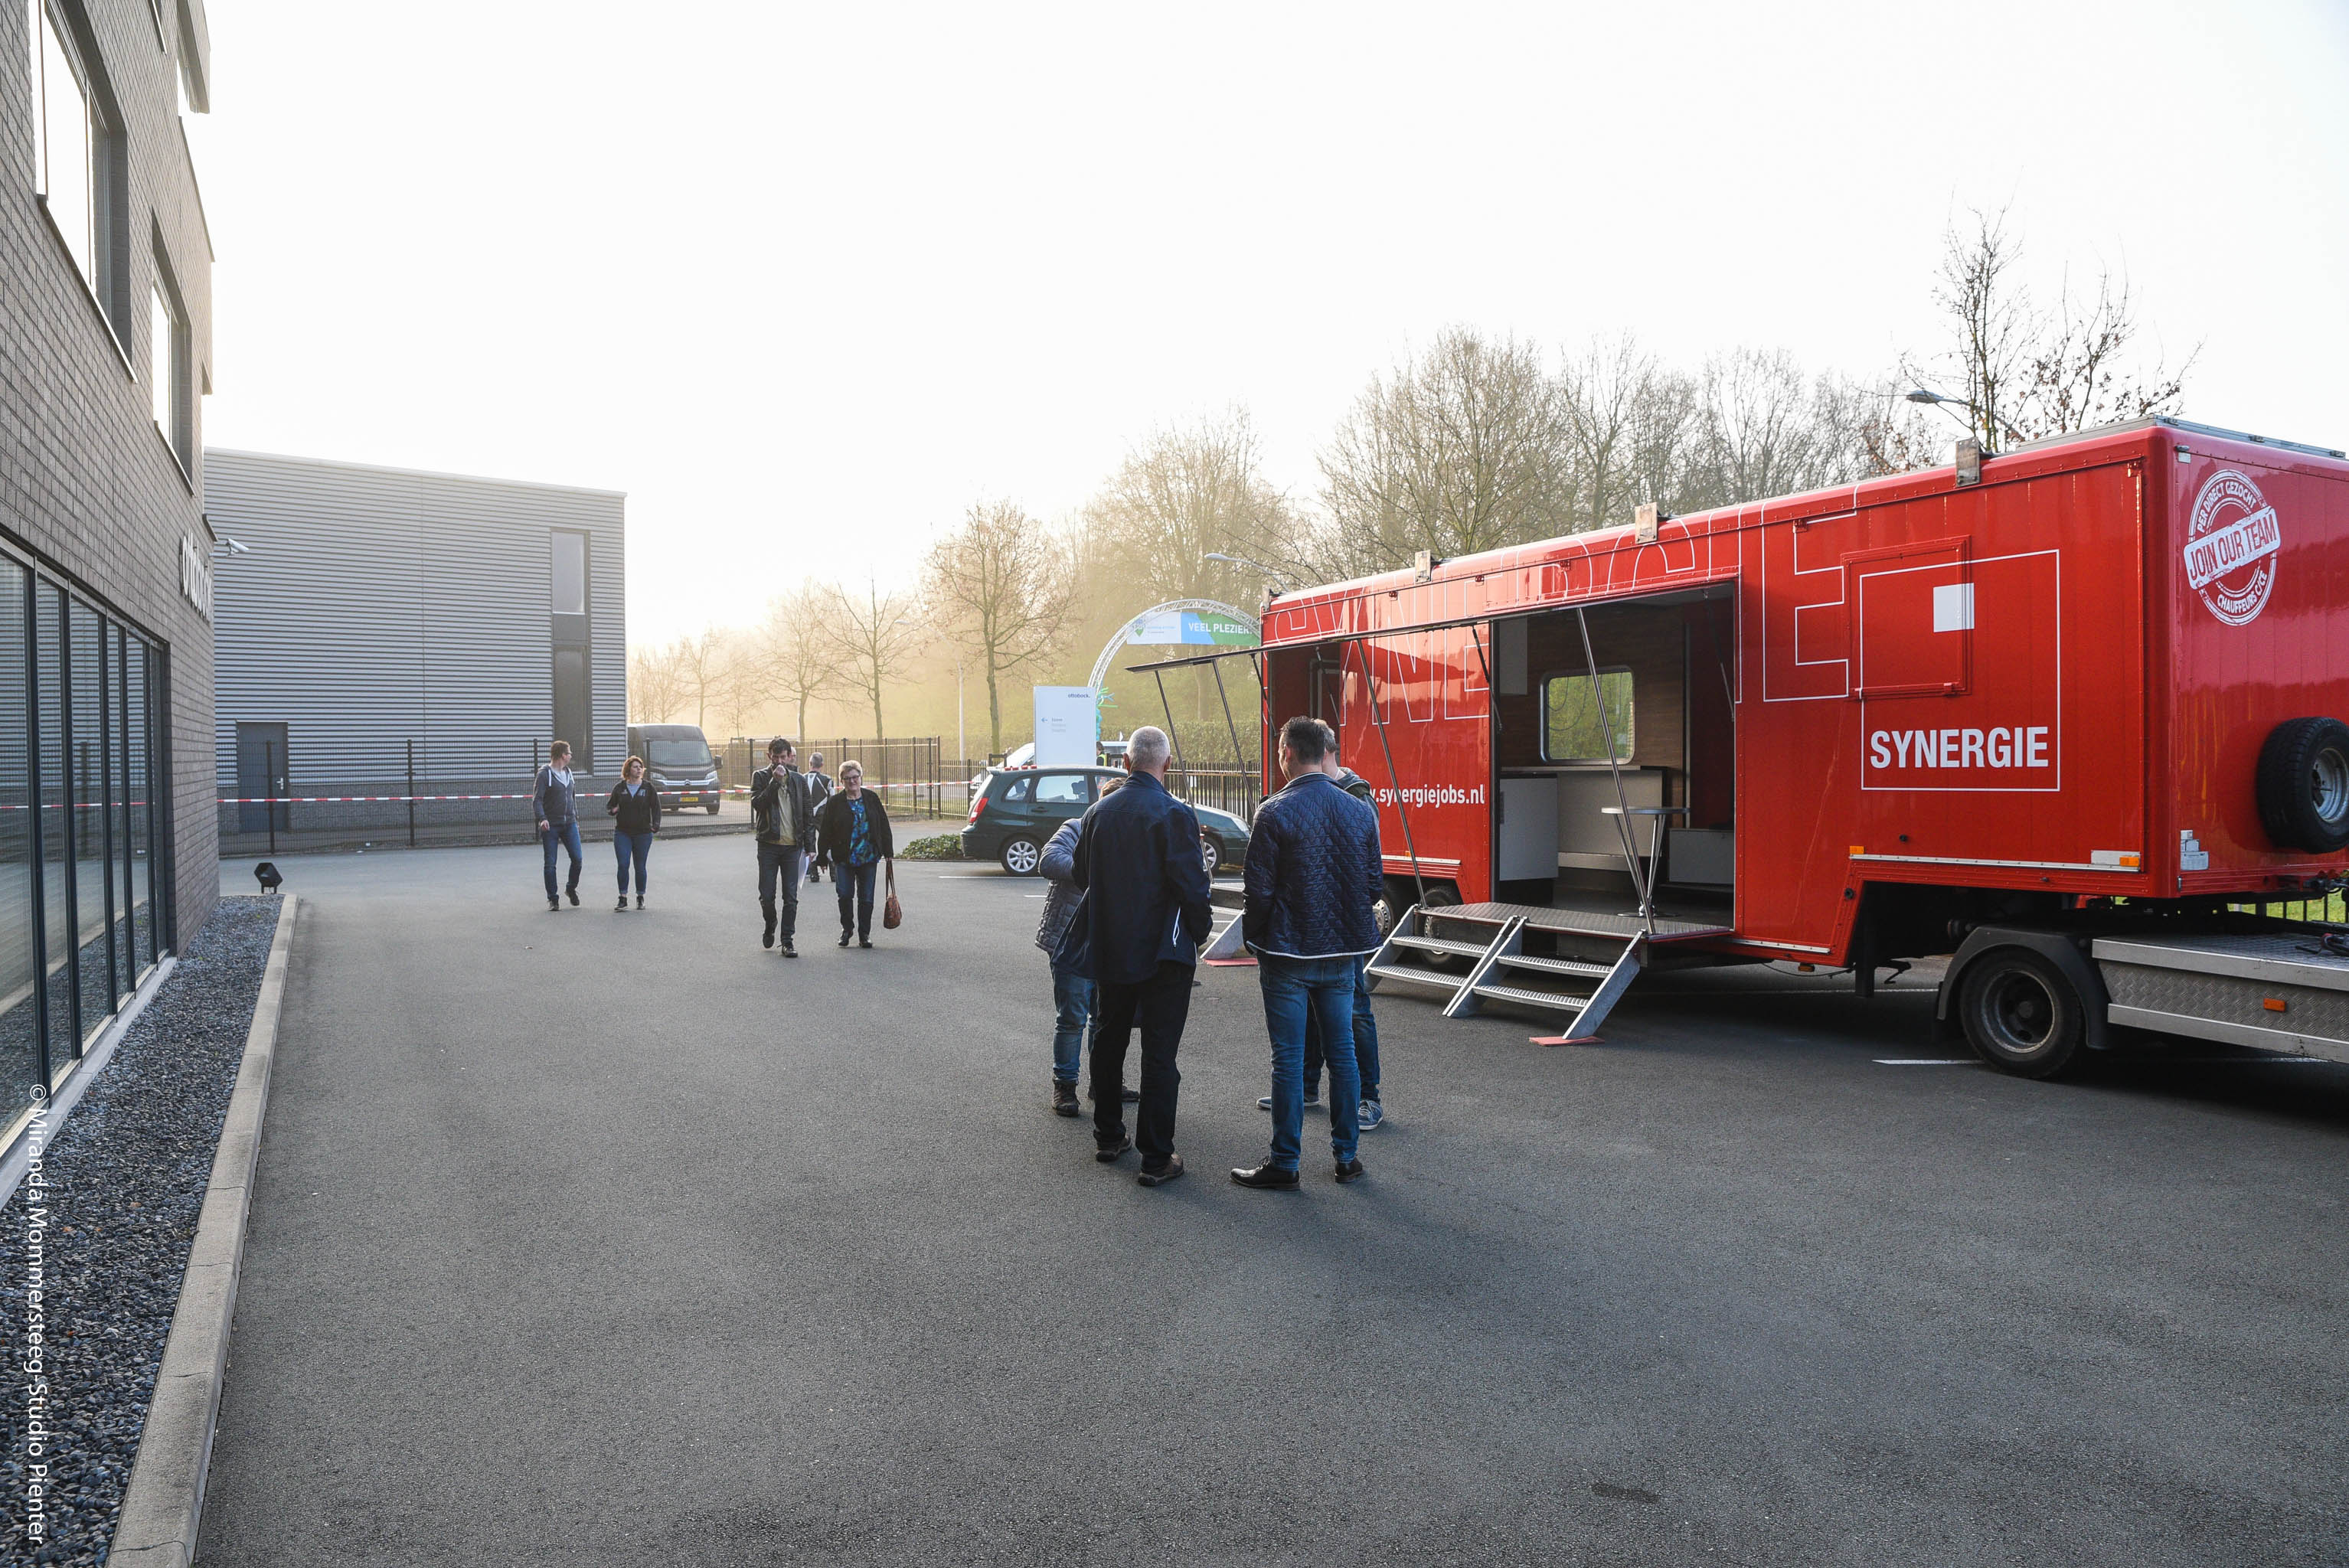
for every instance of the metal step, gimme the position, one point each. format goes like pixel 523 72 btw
pixel 1574 966
pixel 1532 998
pixel 1445 945
pixel 1414 973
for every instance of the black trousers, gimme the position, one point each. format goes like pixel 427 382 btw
pixel 779 871
pixel 1160 1004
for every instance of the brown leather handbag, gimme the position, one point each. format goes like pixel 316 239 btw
pixel 891 915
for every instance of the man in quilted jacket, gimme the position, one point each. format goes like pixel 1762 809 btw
pixel 1313 871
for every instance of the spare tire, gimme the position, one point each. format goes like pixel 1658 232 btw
pixel 2303 785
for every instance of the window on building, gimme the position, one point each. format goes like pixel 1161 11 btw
pixel 168 366
pixel 77 165
pixel 1573 728
pixel 570 573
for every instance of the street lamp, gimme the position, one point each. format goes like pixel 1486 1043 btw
pixel 1940 399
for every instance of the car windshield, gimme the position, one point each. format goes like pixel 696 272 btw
pixel 677 753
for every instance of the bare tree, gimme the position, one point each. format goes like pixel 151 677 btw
pixel 1004 585
pixel 1187 492
pixel 1463 449
pixel 2027 373
pixel 1611 395
pixel 654 689
pixel 799 649
pixel 873 637
pixel 742 683
pixel 702 662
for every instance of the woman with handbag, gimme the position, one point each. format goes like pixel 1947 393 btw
pixel 855 832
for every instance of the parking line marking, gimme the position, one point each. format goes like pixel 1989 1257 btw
pixel 1924 1061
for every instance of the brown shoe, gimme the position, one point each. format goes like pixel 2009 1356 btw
pixel 1163 1175
pixel 1108 1153
pixel 1064 1099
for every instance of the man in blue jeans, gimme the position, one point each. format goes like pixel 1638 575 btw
pixel 554 802
pixel 1313 873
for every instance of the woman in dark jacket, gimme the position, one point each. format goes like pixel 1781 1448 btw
pixel 855 832
pixel 634 809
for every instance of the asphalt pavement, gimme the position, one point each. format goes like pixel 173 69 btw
pixel 594 1238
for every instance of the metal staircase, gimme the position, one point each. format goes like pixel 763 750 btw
pixel 1605 952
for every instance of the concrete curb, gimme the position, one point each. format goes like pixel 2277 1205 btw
pixel 165 1502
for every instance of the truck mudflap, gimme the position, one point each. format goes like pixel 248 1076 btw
pixel 2279 992
pixel 2059 948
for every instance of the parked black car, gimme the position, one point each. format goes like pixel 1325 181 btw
pixel 1014 810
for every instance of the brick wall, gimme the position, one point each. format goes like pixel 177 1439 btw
pixel 88 487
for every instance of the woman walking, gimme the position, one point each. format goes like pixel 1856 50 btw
pixel 634 809
pixel 855 833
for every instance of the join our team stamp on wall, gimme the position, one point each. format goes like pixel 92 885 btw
pixel 2233 542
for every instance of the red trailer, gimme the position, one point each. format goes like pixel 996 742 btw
pixel 2052 712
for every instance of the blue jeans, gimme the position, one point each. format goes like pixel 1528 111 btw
pixel 631 848
pixel 855 885
pixel 1366 1037
pixel 1073 1004
pixel 1323 989
pixel 567 835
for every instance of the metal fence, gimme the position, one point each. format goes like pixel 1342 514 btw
pixel 1233 789
pixel 2331 911
pixel 911 772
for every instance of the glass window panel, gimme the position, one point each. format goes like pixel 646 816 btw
pixel 160 370
pixel 20 1039
pixel 52 817
pixel 118 817
pixel 142 810
pixel 65 143
pixel 93 898
pixel 1573 731
pixel 570 573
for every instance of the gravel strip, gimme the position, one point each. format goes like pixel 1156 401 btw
pixel 127 1181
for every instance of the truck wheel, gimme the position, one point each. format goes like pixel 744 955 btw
pixel 1021 857
pixel 2020 1013
pixel 2303 785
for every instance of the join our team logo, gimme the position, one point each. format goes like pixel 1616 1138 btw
pixel 2231 545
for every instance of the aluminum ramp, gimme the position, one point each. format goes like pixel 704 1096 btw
pixel 1609 953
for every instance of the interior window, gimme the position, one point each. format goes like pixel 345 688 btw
pixel 1573 729
pixel 1063 789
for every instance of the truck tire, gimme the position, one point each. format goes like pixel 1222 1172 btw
pixel 2022 1014
pixel 2303 785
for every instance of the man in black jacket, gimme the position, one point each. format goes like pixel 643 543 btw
pixel 1144 914
pixel 786 819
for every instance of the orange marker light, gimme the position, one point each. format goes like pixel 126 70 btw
pixel 2272 1004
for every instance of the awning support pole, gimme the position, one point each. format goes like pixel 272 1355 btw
pixel 1239 752
pixel 1402 813
pixel 1169 708
pixel 1614 765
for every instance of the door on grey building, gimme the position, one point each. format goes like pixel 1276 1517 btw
pixel 571 705
pixel 261 772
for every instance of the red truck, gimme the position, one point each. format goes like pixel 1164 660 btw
pixel 2059 713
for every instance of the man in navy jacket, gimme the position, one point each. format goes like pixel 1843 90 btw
pixel 1145 915
pixel 1313 873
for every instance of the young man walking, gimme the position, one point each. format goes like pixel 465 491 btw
pixel 786 822
pixel 1313 871
pixel 1145 912
pixel 555 804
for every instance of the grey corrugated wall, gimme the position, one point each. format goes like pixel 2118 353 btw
pixel 378 605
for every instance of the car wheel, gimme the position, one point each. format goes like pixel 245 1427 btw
pixel 713 808
pixel 2021 1015
pixel 1021 857
pixel 1211 854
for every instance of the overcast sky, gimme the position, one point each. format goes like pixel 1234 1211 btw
pixel 806 281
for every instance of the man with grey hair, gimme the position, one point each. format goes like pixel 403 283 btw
pixel 1145 915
